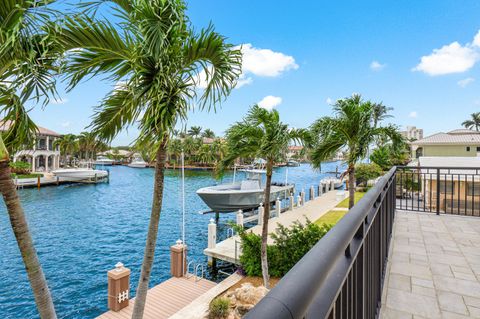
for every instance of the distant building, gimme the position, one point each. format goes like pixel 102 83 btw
pixel 461 143
pixel 44 155
pixel 412 133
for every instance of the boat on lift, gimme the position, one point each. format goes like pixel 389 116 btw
pixel 292 163
pixel 337 183
pixel 105 161
pixel 138 163
pixel 246 194
pixel 80 174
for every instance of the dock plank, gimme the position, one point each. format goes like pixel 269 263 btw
pixel 166 299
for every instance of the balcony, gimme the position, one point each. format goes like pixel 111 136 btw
pixel 401 252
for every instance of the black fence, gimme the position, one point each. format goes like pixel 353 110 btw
pixel 452 190
pixel 342 275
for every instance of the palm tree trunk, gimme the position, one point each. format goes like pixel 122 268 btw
pixel 149 252
pixel 43 298
pixel 351 185
pixel 266 215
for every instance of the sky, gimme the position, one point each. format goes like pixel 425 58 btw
pixel 419 57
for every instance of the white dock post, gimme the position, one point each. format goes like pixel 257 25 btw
pixel 303 197
pixel 291 201
pixel 299 200
pixel 260 214
pixel 332 186
pixel 212 237
pixel 278 207
pixel 240 218
pixel 312 193
pixel 320 189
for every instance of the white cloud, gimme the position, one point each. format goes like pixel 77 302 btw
pixel 463 83
pixel 65 124
pixel 265 62
pixel 269 102
pixel 413 115
pixel 377 66
pixel 243 80
pixel 451 58
pixel 329 101
pixel 59 101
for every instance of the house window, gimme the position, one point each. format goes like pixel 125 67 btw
pixel 478 148
pixel 473 189
pixel 447 187
pixel 468 148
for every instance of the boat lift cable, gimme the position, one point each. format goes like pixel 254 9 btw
pixel 183 197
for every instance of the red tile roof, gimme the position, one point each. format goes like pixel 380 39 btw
pixel 5 125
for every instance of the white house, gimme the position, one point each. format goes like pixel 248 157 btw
pixel 44 156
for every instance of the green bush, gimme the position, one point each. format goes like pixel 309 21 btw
pixel 290 245
pixel 365 172
pixel 20 168
pixel 219 308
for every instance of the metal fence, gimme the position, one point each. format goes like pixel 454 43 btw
pixel 450 190
pixel 342 275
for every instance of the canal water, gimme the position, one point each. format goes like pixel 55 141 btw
pixel 82 231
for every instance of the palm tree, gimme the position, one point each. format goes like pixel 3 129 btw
pixel 474 121
pixel 155 57
pixel 261 135
pixel 195 131
pixel 354 127
pixel 208 133
pixel 27 66
pixel 69 145
pixel 174 148
pixel 88 144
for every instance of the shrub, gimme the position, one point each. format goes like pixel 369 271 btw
pixel 290 245
pixel 20 168
pixel 219 308
pixel 364 172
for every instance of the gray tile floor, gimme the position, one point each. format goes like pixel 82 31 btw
pixel 434 267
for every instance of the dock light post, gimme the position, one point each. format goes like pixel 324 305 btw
pixel 320 189
pixel 240 218
pixel 278 207
pixel 260 214
pixel 118 287
pixel 178 259
pixel 212 237
pixel 291 201
pixel 312 193
pixel 299 200
pixel 303 196
pixel 332 185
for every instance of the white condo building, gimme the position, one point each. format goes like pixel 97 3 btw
pixel 413 133
pixel 45 156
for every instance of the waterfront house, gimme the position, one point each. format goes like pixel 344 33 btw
pixel 456 143
pixel 44 155
pixel 454 179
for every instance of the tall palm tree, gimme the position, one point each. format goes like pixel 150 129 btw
pixel 473 122
pixel 261 134
pixel 88 144
pixel 195 131
pixel 353 127
pixel 69 145
pixel 27 66
pixel 155 57
pixel 208 133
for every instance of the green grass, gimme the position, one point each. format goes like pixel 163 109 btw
pixel 22 176
pixel 344 203
pixel 332 217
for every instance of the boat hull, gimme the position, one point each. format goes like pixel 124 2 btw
pixel 230 201
pixel 79 175
pixel 137 165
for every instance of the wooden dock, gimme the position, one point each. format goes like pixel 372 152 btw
pixel 166 299
pixel 48 181
pixel 229 249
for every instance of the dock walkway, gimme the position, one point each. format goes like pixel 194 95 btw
pixel 229 249
pixel 166 299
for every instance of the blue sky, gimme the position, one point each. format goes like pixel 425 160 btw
pixel 419 57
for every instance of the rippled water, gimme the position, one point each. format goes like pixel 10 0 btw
pixel 82 231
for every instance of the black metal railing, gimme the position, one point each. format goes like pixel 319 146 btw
pixel 342 275
pixel 450 190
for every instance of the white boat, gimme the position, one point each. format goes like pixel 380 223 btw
pixel 246 194
pixel 337 183
pixel 138 163
pixel 292 163
pixel 105 161
pixel 80 174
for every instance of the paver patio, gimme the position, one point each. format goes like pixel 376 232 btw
pixel 434 267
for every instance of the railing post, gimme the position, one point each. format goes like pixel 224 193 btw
pixel 332 185
pixel 299 200
pixel 240 218
pixel 212 237
pixel 118 287
pixel 260 214
pixel 320 189
pixel 291 201
pixel 303 197
pixel 178 260
pixel 438 191
pixel 278 207
pixel 312 193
